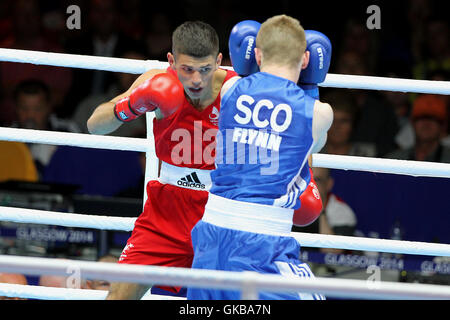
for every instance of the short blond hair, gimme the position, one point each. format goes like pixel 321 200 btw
pixel 282 41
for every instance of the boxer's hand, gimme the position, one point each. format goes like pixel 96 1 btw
pixel 311 205
pixel 241 44
pixel 163 91
pixel 319 47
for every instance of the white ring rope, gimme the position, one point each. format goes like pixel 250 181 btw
pixel 393 166
pixel 248 282
pixel 50 293
pixel 386 84
pixel 371 244
pixel 75 139
pixel 20 215
pixel 404 167
pixel 140 66
pixel 80 61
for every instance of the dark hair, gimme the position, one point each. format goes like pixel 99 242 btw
pixel 196 39
pixel 32 87
pixel 342 101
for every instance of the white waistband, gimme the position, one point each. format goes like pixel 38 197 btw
pixel 247 216
pixel 195 179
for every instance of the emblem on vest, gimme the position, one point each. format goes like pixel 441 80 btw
pixel 214 116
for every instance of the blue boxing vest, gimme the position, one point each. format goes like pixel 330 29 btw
pixel 263 142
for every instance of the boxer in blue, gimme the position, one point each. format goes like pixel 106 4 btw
pixel 265 115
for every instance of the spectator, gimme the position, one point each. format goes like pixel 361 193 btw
pixel 358 39
pixel 337 213
pixel 54 21
pixel 436 49
pixel 337 217
pixel 406 136
pixel 376 121
pixel 443 75
pixel 28 35
pixel 418 13
pixel 102 39
pixel 12 278
pixel 340 133
pixel 53 281
pixel 400 102
pixel 34 111
pixel 131 20
pixel 123 81
pixel 158 39
pixel 429 121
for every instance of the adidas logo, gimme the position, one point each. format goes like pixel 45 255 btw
pixel 191 181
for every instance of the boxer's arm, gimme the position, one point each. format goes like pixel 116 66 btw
pixel 103 120
pixel 322 120
pixel 228 84
pixel 319 48
pixel 241 44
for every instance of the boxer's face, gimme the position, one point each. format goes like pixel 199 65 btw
pixel 196 74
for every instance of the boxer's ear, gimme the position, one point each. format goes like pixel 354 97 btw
pixel 258 56
pixel 305 60
pixel 170 59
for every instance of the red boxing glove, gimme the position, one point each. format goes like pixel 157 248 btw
pixel 163 91
pixel 311 205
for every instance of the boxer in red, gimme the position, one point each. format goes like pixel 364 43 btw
pixel 186 102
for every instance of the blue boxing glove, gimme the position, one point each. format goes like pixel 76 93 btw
pixel 241 44
pixel 319 47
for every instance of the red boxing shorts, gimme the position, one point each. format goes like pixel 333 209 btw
pixel 162 233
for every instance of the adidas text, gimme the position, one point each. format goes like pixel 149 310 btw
pixel 191 184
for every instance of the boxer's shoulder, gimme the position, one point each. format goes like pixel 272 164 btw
pixel 220 76
pixel 147 75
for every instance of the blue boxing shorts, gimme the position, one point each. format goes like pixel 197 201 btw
pixel 226 248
